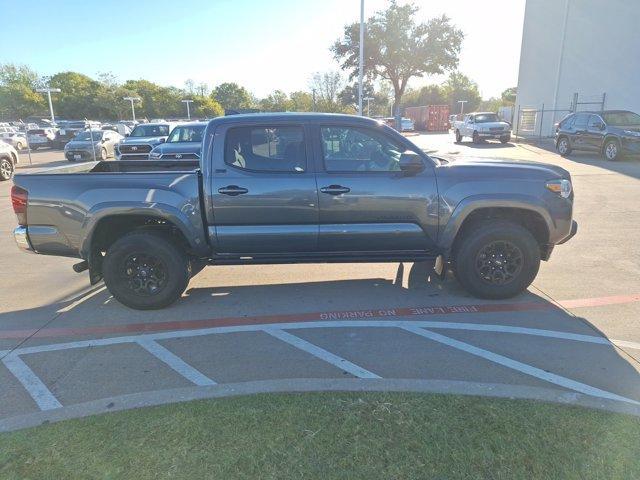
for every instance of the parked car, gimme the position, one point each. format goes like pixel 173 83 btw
pixel 481 126
pixel 8 160
pixel 83 146
pixel 70 129
pixel 142 140
pixel 184 143
pixel 407 125
pixel 296 188
pixel 611 133
pixel 41 137
pixel 13 137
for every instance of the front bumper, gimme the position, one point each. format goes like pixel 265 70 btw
pixel 86 155
pixel 503 133
pixel 21 237
pixel 572 233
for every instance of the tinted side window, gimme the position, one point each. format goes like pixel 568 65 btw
pixel 594 122
pixel 581 120
pixel 348 149
pixel 568 122
pixel 266 149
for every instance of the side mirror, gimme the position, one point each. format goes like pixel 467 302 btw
pixel 602 126
pixel 162 140
pixel 411 163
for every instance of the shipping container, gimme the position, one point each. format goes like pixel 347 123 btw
pixel 431 118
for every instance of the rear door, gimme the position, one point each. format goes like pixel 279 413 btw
pixel 264 194
pixel 595 134
pixel 578 131
pixel 366 203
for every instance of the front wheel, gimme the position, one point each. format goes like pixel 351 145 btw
pixel 505 138
pixel 103 154
pixel 496 260
pixel 611 150
pixel 146 271
pixel 476 138
pixel 458 136
pixel 563 146
pixel 19 146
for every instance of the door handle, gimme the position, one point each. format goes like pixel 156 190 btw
pixel 232 190
pixel 335 189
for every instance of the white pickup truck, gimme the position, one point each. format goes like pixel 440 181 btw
pixel 481 126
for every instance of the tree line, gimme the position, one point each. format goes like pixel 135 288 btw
pixel 397 49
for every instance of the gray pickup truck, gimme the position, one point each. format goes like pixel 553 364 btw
pixel 295 188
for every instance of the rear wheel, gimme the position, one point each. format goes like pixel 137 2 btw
pixel 505 138
pixel 563 146
pixel 611 150
pixel 146 271
pixel 458 136
pixel 496 260
pixel 34 147
pixel 6 168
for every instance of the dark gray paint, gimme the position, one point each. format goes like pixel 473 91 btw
pixel 286 214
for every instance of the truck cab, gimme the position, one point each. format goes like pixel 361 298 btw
pixel 482 126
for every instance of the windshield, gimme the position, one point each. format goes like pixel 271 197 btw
pixel 87 136
pixel 190 133
pixel 150 131
pixel 487 117
pixel 626 119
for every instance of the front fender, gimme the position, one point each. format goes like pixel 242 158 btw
pixel 474 202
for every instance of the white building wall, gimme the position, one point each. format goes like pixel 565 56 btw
pixel 589 47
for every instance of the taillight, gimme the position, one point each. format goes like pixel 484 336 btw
pixel 19 198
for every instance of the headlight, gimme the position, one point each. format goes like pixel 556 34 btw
pixel 562 187
pixel 632 133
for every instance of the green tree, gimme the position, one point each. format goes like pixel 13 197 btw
pixel 18 98
pixel 427 95
pixel 78 96
pixel 206 107
pixel 325 88
pixel 509 96
pixel 397 48
pixel 232 96
pixel 378 105
pixel 277 101
pixel 156 101
pixel 301 101
pixel 460 87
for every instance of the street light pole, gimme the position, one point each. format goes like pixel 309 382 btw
pixel 133 109
pixel 188 111
pixel 368 99
pixel 462 102
pixel 361 62
pixel 48 91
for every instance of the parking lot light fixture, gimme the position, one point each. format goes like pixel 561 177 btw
pixel 188 111
pixel 48 91
pixel 133 108
pixel 462 102
pixel 368 99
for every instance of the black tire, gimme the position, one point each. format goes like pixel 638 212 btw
pixel 505 138
pixel 563 146
pixel 6 168
pixel 611 150
pixel 34 148
pixel 19 146
pixel 146 271
pixel 103 154
pixel 458 136
pixel 476 138
pixel 496 276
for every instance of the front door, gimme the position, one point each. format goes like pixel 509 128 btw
pixel 366 203
pixel 264 195
pixel 595 132
pixel 578 133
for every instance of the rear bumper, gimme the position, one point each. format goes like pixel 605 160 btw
pixel 22 239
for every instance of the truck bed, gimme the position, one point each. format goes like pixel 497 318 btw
pixel 125 166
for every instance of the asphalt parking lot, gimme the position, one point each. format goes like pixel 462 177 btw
pixel 68 349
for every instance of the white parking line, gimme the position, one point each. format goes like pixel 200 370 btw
pixel 321 353
pixel 175 362
pixel 31 382
pixel 519 366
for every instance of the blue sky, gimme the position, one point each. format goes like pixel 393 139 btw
pixel 261 44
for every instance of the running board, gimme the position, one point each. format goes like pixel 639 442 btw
pixel 323 257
